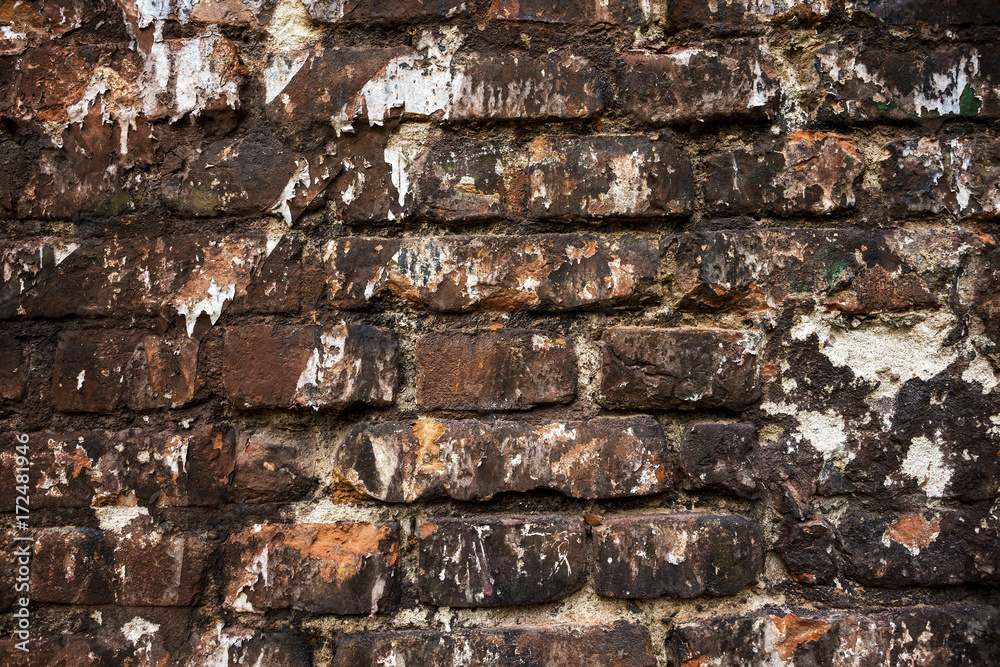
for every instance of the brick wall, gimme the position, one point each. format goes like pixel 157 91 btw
pixel 470 332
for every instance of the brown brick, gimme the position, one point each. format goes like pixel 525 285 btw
pixel 805 172
pixel 386 11
pixel 585 12
pixel 672 368
pixel 13 368
pixel 473 460
pixel 242 646
pixel 958 636
pixel 273 466
pixel 677 555
pixel 341 568
pixel 163 373
pixel 909 12
pixel 720 456
pixel 620 645
pixel 470 183
pixel 735 14
pixel 809 550
pixel 555 272
pixel 309 366
pixel 491 562
pixel 504 369
pixel 140 548
pixel 670 88
pixel 71 566
pixel 90 369
pixel 628 176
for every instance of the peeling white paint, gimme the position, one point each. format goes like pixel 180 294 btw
pixel 924 462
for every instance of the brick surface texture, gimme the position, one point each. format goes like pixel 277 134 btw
pixel 598 333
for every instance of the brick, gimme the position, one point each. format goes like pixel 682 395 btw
pixel 491 562
pixel 336 568
pixel 956 176
pixel 677 555
pixel 588 12
pixel 163 373
pixel 947 82
pixel 273 466
pixel 13 368
pixel 670 88
pixel 386 11
pixel 556 272
pixel 238 646
pixel 976 12
pixel 890 638
pixel 474 460
pixel 330 367
pixel 143 16
pixel 62 649
pixel 90 369
pixel 735 14
pixel 809 550
pixel 621 645
pixel 806 172
pixel 628 176
pixel 179 560
pixel 469 183
pixel 289 280
pixel 931 547
pixel 720 457
pixel 672 368
pixel 503 369
pixel 71 566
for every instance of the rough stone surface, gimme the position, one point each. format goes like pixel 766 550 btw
pixel 720 456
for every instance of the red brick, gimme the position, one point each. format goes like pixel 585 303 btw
pixel 490 562
pixel 90 369
pixel 673 368
pixel 309 366
pixel 670 88
pixel 503 369
pixel 163 373
pixel 469 183
pixel 628 176
pixel 555 272
pixel 585 12
pixel 386 11
pixel 805 172
pixel 677 555
pixel 240 646
pixel 620 645
pixel 473 460
pixel 735 14
pixel 343 568
pixel 273 465
pixel 141 548
pixel 13 368
pixel 71 566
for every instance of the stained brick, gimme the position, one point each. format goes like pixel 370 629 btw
pixel 977 12
pixel 272 466
pixel 720 456
pixel 489 562
pixel 806 172
pixel 163 373
pixel 735 14
pixel 239 646
pixel 555 272
pixel 809 550
pixel 889 638
pixel 474 460
pixel 336 568
pixel 179 559
pixel 388 11
pixel 90 369
pixel 673 368
pixel 585 12
pixel 670 88
pixel 71 566
pixel 285 366
pixel 470 183
pixel 620 645
pixel 628 176
pixel 677 555
pixel 503 369
pixel 13 368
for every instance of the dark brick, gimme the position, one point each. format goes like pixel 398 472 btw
pixel 670 88
pixel 13 368
pixel 806 172
pixel 141 548
pixel 90 369
pixel 677 555
pixel 908 12
pixel 809 550
pixel 720 456
pixel 473 460
pixel 734 15
pixel 289 280
pixel 336 568
pixel 555 272
pixel 163 373
pixel 309 366
pixel 672 368
pixel 492 562
pixel 628 176
pixel 594 646
pixel 890 638
pixel 239 646
pixel 71 566
pixel 470 183
pixel 273 466
pixel 503 369
pixel 585 12
pixel 387 11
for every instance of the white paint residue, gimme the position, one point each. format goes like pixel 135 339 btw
pixel 212 303
pixel 138 628
pixel 825 431
pixel 925 463
pixel 115 519
pixel 300 177
pixel 402 153
pixel 80 378
pixel 281 69
pixel 946 88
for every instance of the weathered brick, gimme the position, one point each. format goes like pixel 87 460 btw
pixel 336 568
pixel 670 88
pixel 238 646
pixel 931 547
pixel 473 460
pixel 458 273
pixel 873 85
pixel 61 649
pixel 163 373
pixel 469 183
pixel 678 555
pixel 735 14
pixel 289 280
pixel 273 466
pixel 490 562
pixel 620 645
pixel 503 369
pixel 908 12
pixel 805 172
pixel 809 550
pixel 628 176
pixel 387 11
pixel 673 368
pixel 720 456
pixel 13 368
pixel 179 559
pixel 889 638
pixel 90 369
pixel 586 12
pixel 332 367
pixel 143 16
pixel 959 176
pixel 71 566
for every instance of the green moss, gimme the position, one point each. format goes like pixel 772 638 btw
pixel 968 103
